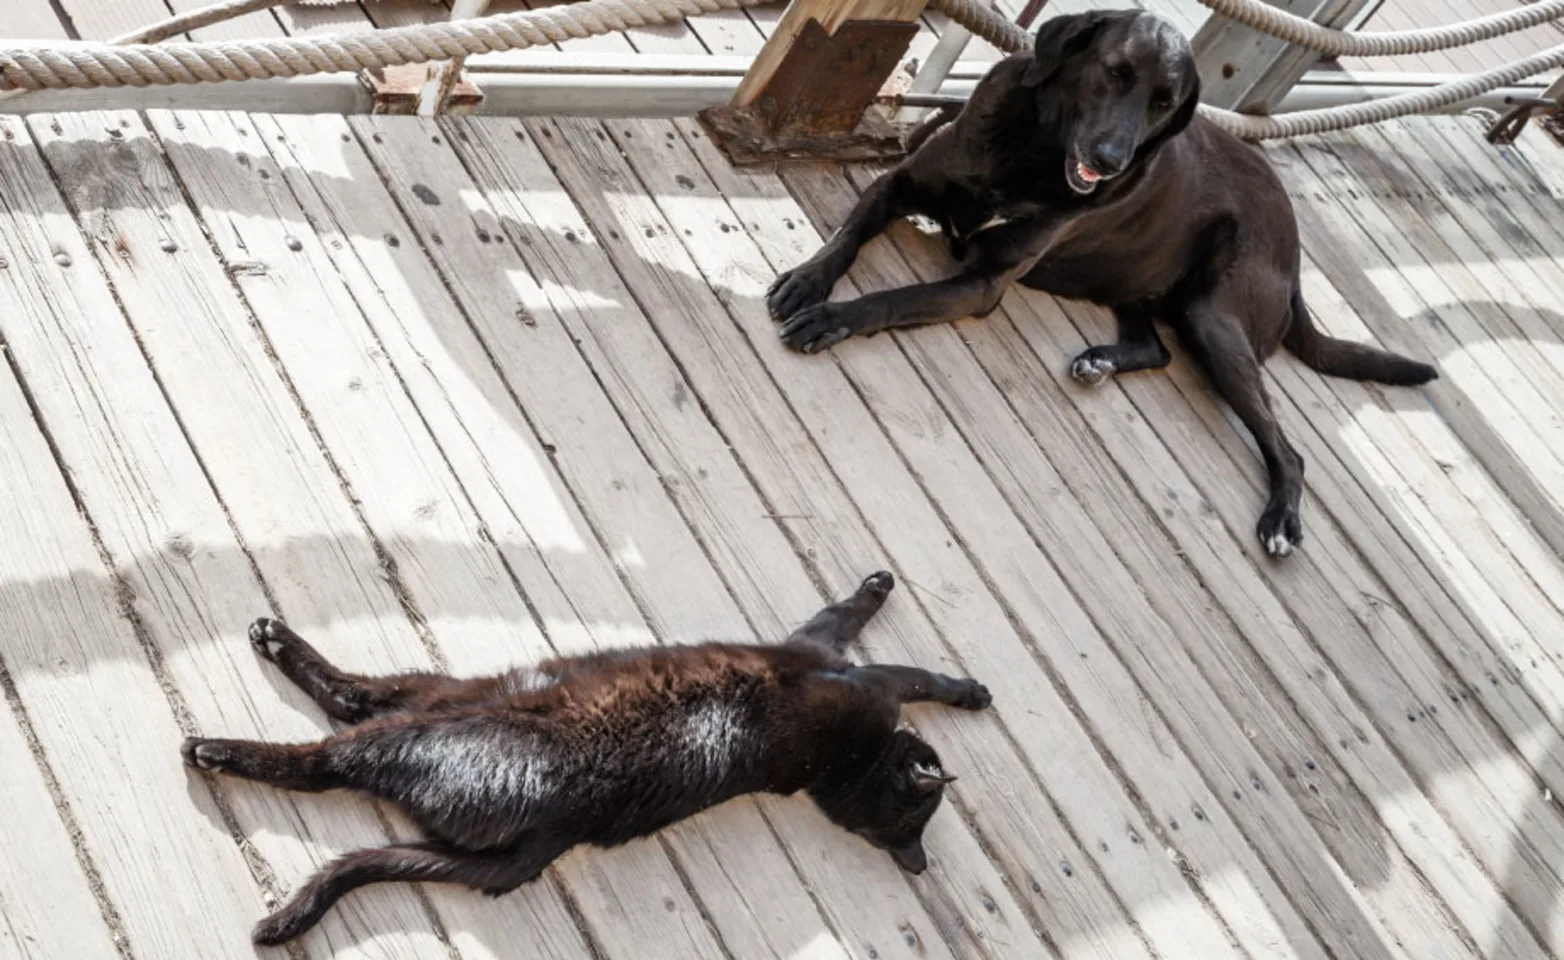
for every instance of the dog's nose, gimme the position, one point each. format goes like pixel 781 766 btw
pixel 1110 157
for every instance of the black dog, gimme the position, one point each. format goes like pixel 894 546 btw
pixel 507 773
pixel 1083 170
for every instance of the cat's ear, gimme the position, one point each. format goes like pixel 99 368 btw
pixel 929 777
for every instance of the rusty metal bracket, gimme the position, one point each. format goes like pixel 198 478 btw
pixel 396 90
pixel 1547 108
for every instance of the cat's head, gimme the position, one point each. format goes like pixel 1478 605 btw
pixel 891 802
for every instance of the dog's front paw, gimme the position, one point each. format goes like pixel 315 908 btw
pixel 972 696
pixel 799 288
pixel 268 637
pixel 210 755
pixel 1280 531
pixel 816 328
pixel 1093 367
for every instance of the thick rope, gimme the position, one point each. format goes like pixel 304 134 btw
pixel 1326 119
pixel 1344 43
pixel 102 65
pixel 93 65
pixel 205 17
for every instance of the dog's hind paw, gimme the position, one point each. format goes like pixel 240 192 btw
pixel 1280 531
pixel 1092 368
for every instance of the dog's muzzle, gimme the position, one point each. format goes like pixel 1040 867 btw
pixel 1082 179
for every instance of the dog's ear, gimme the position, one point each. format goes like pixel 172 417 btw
pixel 1059 37
pixel 1181 118
pixel 1186 110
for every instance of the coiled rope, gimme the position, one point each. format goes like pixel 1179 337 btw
pixel 145 64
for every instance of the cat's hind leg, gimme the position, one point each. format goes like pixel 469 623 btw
pixel 839 624
pixel 344 696
pixel 494 872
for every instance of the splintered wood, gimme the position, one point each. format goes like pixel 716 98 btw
pixel 458 394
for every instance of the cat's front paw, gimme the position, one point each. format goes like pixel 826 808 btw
pixel 972 696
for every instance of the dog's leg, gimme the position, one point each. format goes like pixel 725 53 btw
pixel 1139 348
pixel 838 625
pixel 916 685
pixel 997 258
pixel 810 282
pixel 492 871
pixel 344 696
pixel 290 766
pixel 1217 337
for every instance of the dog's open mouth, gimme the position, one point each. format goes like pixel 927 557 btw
pixel 1082 179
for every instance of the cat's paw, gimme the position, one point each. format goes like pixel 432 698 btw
pixel 879 584
pixel 972 696
pixel 212 756
pixel 268 637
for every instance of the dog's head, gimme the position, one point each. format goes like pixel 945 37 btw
pixel 892 801
pixel 1116 84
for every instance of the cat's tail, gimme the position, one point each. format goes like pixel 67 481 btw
pixel 1344 358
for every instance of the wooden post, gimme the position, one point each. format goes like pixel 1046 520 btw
pixel 807 93
pixel 1244 70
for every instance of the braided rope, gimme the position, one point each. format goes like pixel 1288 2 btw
pixel 1344 43
pixel 1326 119
pixel 139 65
pixel 202 17
pixel 94 65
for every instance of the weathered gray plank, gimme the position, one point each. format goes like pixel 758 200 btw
pixel 155 509
pixel 1476 776
pixel 739 529
pixel 1078 657
pixel 1175 506
pixel 426 544
pixel 754 896
pixel 102 720
pixel 46 906
pixel 898 512
pixel 1089 560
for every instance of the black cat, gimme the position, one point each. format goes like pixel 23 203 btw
pixel 507 773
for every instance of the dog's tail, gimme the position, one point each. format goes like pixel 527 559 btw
pixel 1343 358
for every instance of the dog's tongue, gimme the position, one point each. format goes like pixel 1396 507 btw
pixel 1086 173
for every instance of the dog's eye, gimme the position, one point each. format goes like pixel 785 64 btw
pixel 1162 100
pixel 1121 71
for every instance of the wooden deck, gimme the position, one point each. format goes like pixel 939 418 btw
pixel 466 393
